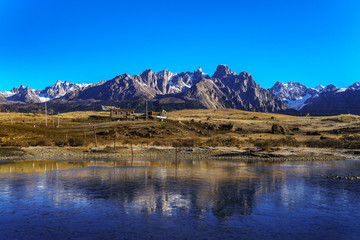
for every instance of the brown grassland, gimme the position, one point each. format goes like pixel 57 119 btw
pixel 184 128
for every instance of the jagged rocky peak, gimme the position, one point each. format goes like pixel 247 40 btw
pixel 319 87
pixel 17 89
pixel 146 74
pixel 245 74
pixel 330 88
pixel 14 90
pixel 246 78
pixel 222 71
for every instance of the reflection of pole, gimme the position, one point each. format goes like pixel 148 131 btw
pixel 132 153
pixel 176 161
pixel 176 154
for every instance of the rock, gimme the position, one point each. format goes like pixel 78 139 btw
pixel 103 133
pixel 313 133
pixel 227 127
pixel 279 129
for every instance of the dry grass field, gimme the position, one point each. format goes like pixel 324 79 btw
pixel 187 128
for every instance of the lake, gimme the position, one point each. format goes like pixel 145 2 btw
pixel 202 199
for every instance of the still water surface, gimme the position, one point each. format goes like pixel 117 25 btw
pixel 188 200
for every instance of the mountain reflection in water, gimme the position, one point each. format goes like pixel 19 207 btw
pixel 194 191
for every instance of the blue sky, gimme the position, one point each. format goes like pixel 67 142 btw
pixel 313 42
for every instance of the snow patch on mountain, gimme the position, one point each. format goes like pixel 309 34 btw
pixel 6 93
pixel 44 98
pixel 295 95
pixel 298 103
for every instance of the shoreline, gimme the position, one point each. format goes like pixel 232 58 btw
pixel 199 153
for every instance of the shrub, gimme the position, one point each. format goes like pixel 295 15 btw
pixel 76 142
pixel 267 144
pixel 224 142
pixel 192 142
pixel 40 142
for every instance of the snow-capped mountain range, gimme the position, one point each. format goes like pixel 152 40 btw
pixel 298 96
pixel 224 89
pixel 28 95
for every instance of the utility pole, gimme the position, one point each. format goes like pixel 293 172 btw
pixel 146 110
pixel 45 115
pixel 52 114
pixel 115 138
pixel 95 137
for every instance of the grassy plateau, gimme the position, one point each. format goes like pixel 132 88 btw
pixel 184 128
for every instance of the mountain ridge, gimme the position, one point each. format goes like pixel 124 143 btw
pixel 224 89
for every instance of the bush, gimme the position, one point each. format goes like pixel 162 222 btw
pixel 348 142
pixel 192 142
pixel 60 143
pixel 40 142
pixel 76 142
pixel 324 143
pixel 267 144
pixel 224 142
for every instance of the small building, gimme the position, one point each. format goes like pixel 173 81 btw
pixel 157 115
pixel 122 113
pixel 129 114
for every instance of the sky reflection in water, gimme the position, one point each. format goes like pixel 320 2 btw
pixel 189 200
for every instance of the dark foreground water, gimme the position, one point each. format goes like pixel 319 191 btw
pixel 188 200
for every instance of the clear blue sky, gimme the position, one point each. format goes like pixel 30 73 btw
pixel 308 41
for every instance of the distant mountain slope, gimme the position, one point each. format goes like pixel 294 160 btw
pixel 23 94
pixel 27 95
pixel 332 101
pixel 328 100
pixel 59 89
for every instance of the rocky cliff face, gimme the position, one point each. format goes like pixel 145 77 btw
pixel 208 94
pixel 122 87
pixel 2 99
pixel 226 89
